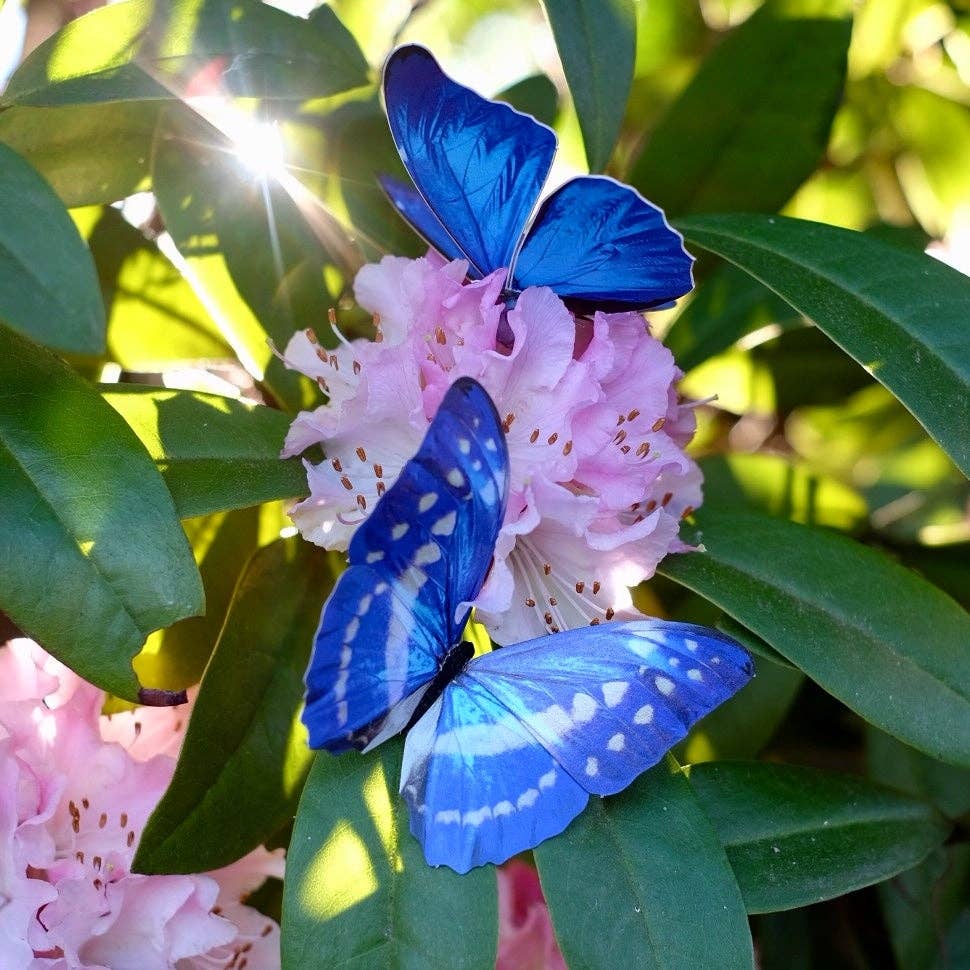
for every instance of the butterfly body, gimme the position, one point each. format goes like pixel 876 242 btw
pixel 479 167
pixel 502 750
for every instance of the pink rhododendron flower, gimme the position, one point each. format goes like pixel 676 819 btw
pixel 525 937
pixel 76 789
pixel 599 478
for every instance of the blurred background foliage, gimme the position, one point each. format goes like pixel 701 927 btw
pixel 852 114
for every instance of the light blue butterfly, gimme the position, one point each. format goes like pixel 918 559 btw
pixel 503 750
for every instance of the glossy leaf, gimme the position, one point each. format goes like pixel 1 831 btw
pixel 88 153
pixel 536 95
pixel 900 314
pixel 820 599
pixel 247 244
pixel 48 289
pixel 93 558
pixel 222 544
pixel 597 44
pixel 358 891
pixel 796 836
pixel 754 122
pixel 245 735
pixel 780 487
pixel 649 865
pixel 215 453
pixel 152 50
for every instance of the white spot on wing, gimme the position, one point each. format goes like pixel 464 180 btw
pixel 584 707
pixel 375 556
pixel 592 767
pixel 695 674
pixel 528 798
pixel 464 445
pixel 445 525
pixel 455 478
pixel 490 444
pixel 488 492
pixel 399 531
pixel 428 553
pixel 613 692
pixel 665 685
pixel 644 715
pixel 503 808
pixel 448 816
pixel 427 500
pixel 547 780
pixel 617 742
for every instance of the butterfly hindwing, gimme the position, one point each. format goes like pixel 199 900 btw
pixel 600 242
pixel 478 164
pixel 417 212
pixel 595 706
pixel 423 551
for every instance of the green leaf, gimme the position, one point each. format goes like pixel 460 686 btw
pixel 245 734
pixel 776 485
pixel 89 153
pixel 597 44
pixel 797 836
pixel 146 50
pixel 222 543
pixel 535 95
pixel 754 122
pixel 900 314
pixel 48 289
pixel 657 890
pixel 215 453
pixel 723 308
pixel 358 892
pixel 92 558
pixel 248 245
pixel 852 619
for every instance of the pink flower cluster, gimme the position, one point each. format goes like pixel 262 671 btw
pixel 599 478
pixel 76 789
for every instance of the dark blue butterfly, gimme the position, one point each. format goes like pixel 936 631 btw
pixel 479 167
pixel 502 750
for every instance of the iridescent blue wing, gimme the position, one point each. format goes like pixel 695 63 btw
pixel 416 211
pixel 508 755
pixel 415 562
pixel 600 242
pixel 478 164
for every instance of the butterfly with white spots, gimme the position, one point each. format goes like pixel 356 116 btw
pixel 502 750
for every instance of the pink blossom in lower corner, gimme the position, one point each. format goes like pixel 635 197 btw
pixel 525 937
pixel 76 789
pixel 596 432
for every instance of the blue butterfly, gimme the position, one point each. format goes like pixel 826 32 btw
pixel 503 750
pixel 479 167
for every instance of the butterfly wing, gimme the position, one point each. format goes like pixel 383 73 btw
pixel 415 562
pixel 416 211
pixel 510 752
pixel 599 242
pixel 478 164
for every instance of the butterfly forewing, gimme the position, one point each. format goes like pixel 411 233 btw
pixel 424 550
pixel 597 241
pixel 478 164
pixel 600 705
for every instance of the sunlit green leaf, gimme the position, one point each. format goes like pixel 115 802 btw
pixel 358 891
pixel 92 558
pixel 48 289
pixel 659 876
pixel 796 836
pixel 900 314
pixel 245 735
pixel 154 50
pixel 597 43
pixel 822 601
pixel 88 153
pixel 754 122
pixel 215 453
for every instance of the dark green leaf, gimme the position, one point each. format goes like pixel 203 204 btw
pixel 748 640
pixel 853 620
pixel 597 44
pixel 900 314
pixel 215 453
pixel 147 50
pixel 640 880
pixel 358 892
pixel 89 153
pixel 796 836
pixel 536 95
pixel 724 307
pixel 154 316
pixel 244 735
pixel 923 904
pixel 754 122
pixel 48 289
pixel 222 543
pixel 252 249
pixel 92 558
pixel 777 486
